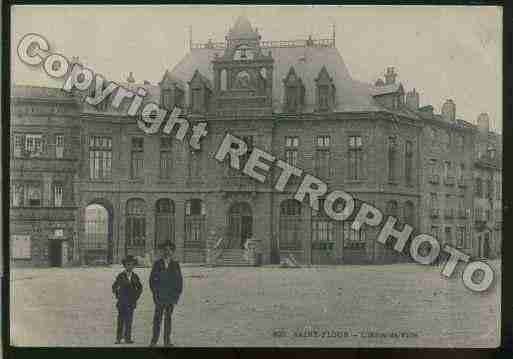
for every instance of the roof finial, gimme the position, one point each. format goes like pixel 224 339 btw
pixel 333 35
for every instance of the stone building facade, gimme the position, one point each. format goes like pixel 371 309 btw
pixel 123 191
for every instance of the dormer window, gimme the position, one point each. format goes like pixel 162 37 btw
pixel 294 92
pixel 325 91
pixel 323 97
pixel 200 93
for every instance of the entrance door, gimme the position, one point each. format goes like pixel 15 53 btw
pixel 240 225
pixel 55 253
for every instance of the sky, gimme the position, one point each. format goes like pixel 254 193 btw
pixel 444 52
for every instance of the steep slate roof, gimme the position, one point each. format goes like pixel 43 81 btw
pixel 40 93
pixel 351 95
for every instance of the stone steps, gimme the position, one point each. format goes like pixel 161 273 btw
pixel 232 258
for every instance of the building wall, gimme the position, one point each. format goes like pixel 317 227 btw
pixel 219 190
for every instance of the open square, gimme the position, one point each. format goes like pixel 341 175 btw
pixel 266 306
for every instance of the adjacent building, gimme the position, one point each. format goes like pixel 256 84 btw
pixel 88 186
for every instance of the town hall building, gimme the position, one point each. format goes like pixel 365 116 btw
pixel 89 187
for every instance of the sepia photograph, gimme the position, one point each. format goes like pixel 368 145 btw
pixel 255 176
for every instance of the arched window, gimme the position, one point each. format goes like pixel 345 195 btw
pixel 135 223
pixel 164 221
pixel 96 229
pixel 409 213
pixel 195 214
pixel 290 225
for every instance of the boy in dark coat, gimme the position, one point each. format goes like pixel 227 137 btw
pixel 166 286
pixel 127 288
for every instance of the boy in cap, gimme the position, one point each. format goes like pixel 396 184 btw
pixel 127 288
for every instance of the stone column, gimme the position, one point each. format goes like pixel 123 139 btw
pixel 180 229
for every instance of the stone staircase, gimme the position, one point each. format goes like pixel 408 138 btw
pixel 232 257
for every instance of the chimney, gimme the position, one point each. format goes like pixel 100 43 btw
pixel 412 100
pixel 483 122
pixel 449 111
pixel 130 77
pixel 390 76
pixel 379 82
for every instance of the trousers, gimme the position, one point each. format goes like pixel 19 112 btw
pixel 125 318
pixel 165 310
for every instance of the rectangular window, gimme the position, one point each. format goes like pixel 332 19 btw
pixel 448 235
pixel 20 246
pixel 59 146
pixel 408 163
pixel 355 157
pixel 352 238
pixel 33 195
pixel 17 195
pixel 432 167
pixel 461 174
pixel 322 230
pixel 248 139
pixel 195 165
pixel 460 237
pixel 435 232
pixel 34 145
pixel 136 167
pixel 447 169
pixel 322 157
pixel 19 145
pixel 489 188
pixel 291 150
pixel 434 201
pixel 57 194
pixel 166 157
pixel 100 157
pixel 392 159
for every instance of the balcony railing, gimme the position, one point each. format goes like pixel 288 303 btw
pixel 449 213
pixel 271 44
pixel 434 213
pixel 435 179
pixel 449 181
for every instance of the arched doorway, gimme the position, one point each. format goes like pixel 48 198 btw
pixel 240 224
pixel 164 222
pixel 97 246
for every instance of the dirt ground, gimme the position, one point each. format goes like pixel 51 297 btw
pixel 337 306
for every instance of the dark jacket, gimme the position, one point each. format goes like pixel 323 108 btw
pixel 127 292
pixel 166 284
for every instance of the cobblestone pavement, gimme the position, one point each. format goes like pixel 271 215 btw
pixel 266 306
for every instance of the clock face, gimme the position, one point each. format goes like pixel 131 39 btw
pixel 242 81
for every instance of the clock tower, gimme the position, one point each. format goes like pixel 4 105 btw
pixel 243 74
